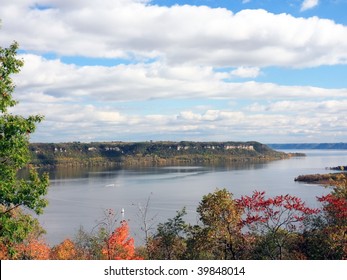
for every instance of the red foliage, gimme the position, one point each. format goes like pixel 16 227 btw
pixel 335 206
pixel 283 211
pixel 120 246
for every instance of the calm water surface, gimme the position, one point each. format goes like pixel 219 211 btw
pixel 78 197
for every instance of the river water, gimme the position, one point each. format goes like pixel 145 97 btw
pixel 79 197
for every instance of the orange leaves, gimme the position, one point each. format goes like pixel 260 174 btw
pixel 64 251
pixel 33 249
pixel 3 252
pixel 117 246
pixel 120 246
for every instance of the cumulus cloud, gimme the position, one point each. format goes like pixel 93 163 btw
pixel 178 34
pixel 272 120
pixel 246 72
pixel 86 103
pixel 309 4
pixel 51 81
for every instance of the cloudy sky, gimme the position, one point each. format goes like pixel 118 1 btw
pixel 136 70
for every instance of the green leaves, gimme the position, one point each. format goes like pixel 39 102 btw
pixel 221 217
pixel 15 192
pixel 218 209
pixel 14 139
pixel 169 242
pixel 9 64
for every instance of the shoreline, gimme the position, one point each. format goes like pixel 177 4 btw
pixel 152 153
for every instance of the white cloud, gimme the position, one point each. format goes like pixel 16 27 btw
pixel 78 122
pixel 136 82
pixel 65 94
pixel 178 34
pixel 298 106
pixel 309 4
pixel 246 72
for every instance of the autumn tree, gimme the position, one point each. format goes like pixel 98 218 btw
pixel 335 209
pixel 329 229
pixel 16 193
pixel 340 186
pixel 66 250
pixel 120 246
pixel 221 218
pixel 90 245
pixel 275 223
pixel 32 248
pixel 325 235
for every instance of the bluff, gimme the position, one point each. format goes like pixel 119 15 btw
pixel 149 153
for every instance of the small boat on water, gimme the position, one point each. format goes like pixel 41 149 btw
pixel 111 185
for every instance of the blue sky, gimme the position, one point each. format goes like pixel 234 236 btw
pixel 139 70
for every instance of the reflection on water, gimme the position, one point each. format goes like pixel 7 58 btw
pixel 78 196
pixel 63 172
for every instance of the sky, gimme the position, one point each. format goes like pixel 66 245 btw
pixel 272 71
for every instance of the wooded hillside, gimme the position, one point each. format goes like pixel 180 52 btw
pixel 133 153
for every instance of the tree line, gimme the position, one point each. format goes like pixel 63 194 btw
pixel 254 227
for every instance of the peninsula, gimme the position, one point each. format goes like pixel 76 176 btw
pixel 150 153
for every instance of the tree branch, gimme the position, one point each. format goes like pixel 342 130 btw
pixel 10 209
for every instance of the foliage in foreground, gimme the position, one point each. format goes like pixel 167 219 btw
pixel 260 227
pixel 251 227
pixel 17 228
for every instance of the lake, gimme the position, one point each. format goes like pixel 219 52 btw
pixel 79 196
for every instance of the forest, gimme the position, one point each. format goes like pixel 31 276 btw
pixel 149 153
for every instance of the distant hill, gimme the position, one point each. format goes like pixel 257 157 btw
pixel 320 146
pixel 149 153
